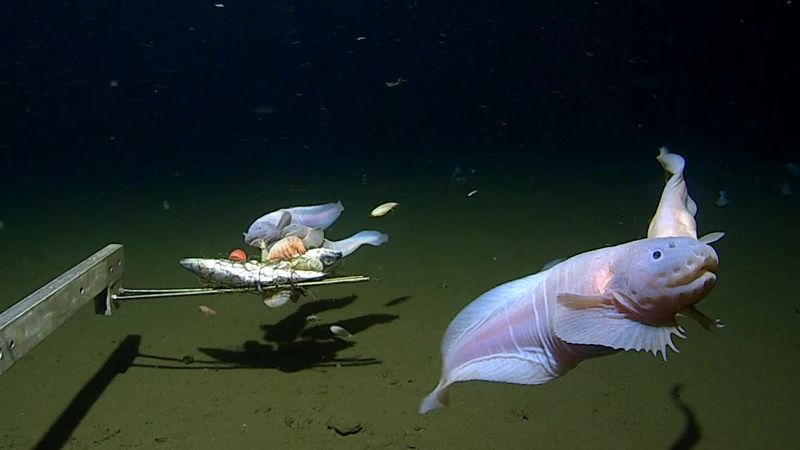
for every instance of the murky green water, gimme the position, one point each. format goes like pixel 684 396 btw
pixel 267 379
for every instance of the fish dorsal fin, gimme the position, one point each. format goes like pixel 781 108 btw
pixel 675 213
pixel 594 320
pixel 709 238
pixel 552 263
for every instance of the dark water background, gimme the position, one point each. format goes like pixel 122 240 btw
pixel 553 111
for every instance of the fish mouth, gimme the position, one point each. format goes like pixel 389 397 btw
pixel 692 289
pixel 704 271
pixel 692 278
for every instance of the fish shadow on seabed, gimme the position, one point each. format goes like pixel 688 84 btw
pixel 291 347
pixel 690 436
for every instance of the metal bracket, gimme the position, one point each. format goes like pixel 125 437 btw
pixel 99 279
pixel 26 323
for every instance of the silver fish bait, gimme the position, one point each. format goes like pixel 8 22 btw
pixel 315 264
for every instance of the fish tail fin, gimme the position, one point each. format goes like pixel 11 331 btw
pixel 439 398
pixel 351 244
pixel 673 167
pixel 672 163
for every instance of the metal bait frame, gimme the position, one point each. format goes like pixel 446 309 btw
pixel 98 278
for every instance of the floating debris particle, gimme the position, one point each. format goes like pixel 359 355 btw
pixel 472 192
pixel 265 109
pixel 398 82
pixel 165 204
pixel 382 210
pixel 722 200
pixel 206 311
pixel 340 333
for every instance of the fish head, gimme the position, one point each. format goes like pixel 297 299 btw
pixel 318 260
pixel 658 277
pixel 267 228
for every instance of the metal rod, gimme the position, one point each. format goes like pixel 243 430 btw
pixel 141 294
pixel 155 291
pixel 124 292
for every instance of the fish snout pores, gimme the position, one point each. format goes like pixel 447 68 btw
pixel 703 258
pixel 687 260
pixel 694 275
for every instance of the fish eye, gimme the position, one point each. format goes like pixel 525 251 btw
pixel 327 260
pixel 657 254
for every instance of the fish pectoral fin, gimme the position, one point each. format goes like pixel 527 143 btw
pixel 594 320
pixel 283 222
pixel 576 301
pixel 711 237
pixel 706 322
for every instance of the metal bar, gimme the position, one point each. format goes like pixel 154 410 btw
pixel 124 291
pixel 29 321
pixel 143 294
pixel 178 293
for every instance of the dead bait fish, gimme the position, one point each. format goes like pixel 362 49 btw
pixel 317 259
pixel 382 210
pixel 315 264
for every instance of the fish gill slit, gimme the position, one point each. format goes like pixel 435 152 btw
pixel 545 312
pixel 511 330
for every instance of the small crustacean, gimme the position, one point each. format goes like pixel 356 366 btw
pixel 286 249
